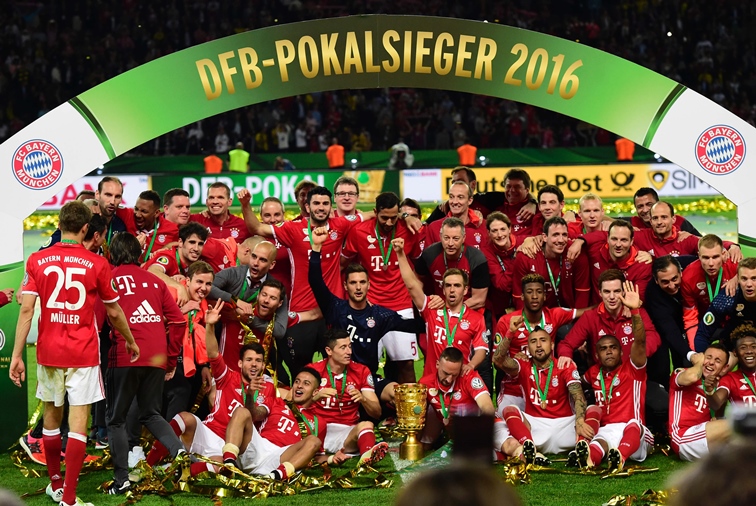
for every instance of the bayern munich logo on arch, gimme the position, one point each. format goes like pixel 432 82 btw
pixel 37 164
pixel 720 150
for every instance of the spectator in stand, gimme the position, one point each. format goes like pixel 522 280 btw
pixel 467 154
pixel 625 149
pixel 238 159
pixel 335 155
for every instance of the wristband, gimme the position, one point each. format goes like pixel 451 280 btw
pixel 690 354
pixel 635 312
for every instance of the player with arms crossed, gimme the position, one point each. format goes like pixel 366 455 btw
pixel 68 279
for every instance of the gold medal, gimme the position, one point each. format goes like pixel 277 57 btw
pixel 543 404
pixel 385 267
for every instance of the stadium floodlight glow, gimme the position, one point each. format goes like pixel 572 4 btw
pixel 669 34
pixel 483 160
pixel 354 163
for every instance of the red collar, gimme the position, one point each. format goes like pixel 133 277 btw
pixel 471 215
pixel 621 264
pixel 671 238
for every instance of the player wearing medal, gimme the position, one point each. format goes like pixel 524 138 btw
pixel 171 265
pixel 533 314
pixel 344 387
pixel 386 287
pixel 620 389
pixel 288 438
pixel 272 213
pixel 219 221
pixel 548 423
pixel 68 279
pixel 148 224
pixel 692 424
pixel 456 325
pixel 450 393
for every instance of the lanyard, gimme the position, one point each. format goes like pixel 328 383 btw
pixel 178 262
pixel 555 284
pixel 252 297
pixel 527 324
pixel 444 409
pixel 244 394
pixel 69 241
pixel 446 265
pixel 719 285
pixel 711 411
pixel 110 232
pixel 333 382
pixel 543 393
pixel 450 335
pixel 152 241
pixel 385 256
pixel 749 383
pixel 607 400
pixel 312 428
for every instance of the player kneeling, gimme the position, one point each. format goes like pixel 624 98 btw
pixel 282 446
pixel 548 423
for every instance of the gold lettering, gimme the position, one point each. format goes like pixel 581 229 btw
pixel 352 56
pixel 407 51
pixel 328 47
pixel 388 37
pixel 203 67
pixel 370 65
pixel 227 71
pixel 486 54
pixel 463 55
pixel 248 60
pixel 307 45
pixel 421 51
pixel 285 53
pixel 444 39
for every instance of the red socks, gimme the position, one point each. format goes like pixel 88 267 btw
pixel 517 428
pixel 158 451
pixel 630 440
pixel 596 453
pixel 366 440
pixel 200 467
pixel 52 445
pixel 593 419
pixel 75 453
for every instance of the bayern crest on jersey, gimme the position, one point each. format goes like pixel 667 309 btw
pixel 478 237
pixel 334 235
pixel 323 382
pixel 457 395
pixel 370 322
pixel 464 324
pixel 37 164
pixel 548 327
pixel 627 329
pixel 555 382
pixel 720 150
pixel 701 285
pixel 433 392
pixel 234 233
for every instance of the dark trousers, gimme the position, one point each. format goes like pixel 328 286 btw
pixel 300 344
pixel 180 392
pixel 122 386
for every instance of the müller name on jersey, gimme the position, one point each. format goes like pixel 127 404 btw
pixel 67 319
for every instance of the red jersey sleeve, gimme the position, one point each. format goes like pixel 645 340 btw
pixel 479 329
pixel 166 260
pixel 519 270
pixel 474 385
pixel 569 375
pixel 28 285
pixel 501 279
pixel 127 216
pixel 105 285
pixel 575 338
pixel 581 281
pixel 562 316
pixel 284 232
pixel 366 380
pixel 220 371
pixel 597 237
pixel 351 243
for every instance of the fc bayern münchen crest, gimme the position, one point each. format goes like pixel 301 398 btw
pixel 720 150
pixel 37 164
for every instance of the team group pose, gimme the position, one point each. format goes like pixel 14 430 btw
pixel 257 342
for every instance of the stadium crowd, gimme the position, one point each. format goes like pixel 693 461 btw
pixel 56 50
pixel 580 333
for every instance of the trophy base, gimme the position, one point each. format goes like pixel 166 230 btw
pixel 411 449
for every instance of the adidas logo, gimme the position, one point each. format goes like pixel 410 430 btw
pixel 601 333
pixel 145 314
pixel 597 266
pixel 436 273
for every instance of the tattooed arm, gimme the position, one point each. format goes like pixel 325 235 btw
pixel 578 399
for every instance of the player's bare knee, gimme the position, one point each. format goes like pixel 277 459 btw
pixel 364 426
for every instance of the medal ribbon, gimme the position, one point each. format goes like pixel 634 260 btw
pixel 385 256
pixel 252 297
pixel 110 232
pixel 555 284
pixel 69 241
pixel 152 241
pixel 244 394
pixel 311 428
pixel 543 393
pixel 749 383
pixel 527 324
pixel 178 262
pixel 333 382
pixel 719 285
pixel 607 400
pixel 444 409
pixel 450 335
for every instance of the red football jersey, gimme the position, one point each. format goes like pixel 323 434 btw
pixel 557 396
pixel 625 389
pixel 294 235
pixel 520 228
pixel 500 265
pixel 341 408
pixel 695 293
pixel 467 333
pixel 68 279
pixel 646 240
pixel 169 261
pixel 552 319
pixel 637 222
pixel 163 232
pixel 230 394
pixel 219 253
pixel 572 279
pixel 687 407
pixel 476 234
pixel 736 384
pixel 233 228
pixel 281 427
pixel 460 399
pixel 600 260
pixel 364 245
pixel 282 270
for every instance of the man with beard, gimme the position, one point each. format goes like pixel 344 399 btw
pixel 460 198
pixel 344 388
pixel 568 282
pixel 219 221
pixel 109 195
pixel 288 438
pixel 533 314
pixel 702 281
pixel 452 393
pixel 644 199
pixel 367 323
pixel 456 325
pixel 171 265
pixel 692 424
pixel 548 424
pixel 737 386
pixel 241 287
pixel 386 287
pixel 303 339
pixel 247 387
pixel 620 389
pixel 500 255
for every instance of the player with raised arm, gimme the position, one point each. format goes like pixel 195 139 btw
pixel 68 279
pixel 620 389
pixel 736 386
pixel 455 325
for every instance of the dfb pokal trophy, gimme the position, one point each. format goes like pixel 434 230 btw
pixel 410 400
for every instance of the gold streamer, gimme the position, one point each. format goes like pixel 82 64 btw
pixel 648 498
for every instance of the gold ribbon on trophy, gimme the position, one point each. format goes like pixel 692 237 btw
pixel 411 405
